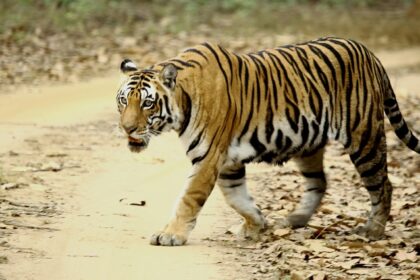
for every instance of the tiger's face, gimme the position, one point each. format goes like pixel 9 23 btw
pixel 144 103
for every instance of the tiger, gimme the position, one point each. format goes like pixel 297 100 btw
pixel 271 106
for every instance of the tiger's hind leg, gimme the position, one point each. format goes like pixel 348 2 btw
pixel 232 183
pixel 370 162
pixel 312 169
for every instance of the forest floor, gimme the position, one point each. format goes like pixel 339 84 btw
pixel 75 204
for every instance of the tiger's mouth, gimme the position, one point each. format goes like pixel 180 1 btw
pixel 137 145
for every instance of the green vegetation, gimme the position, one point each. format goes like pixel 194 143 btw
pixel 311 17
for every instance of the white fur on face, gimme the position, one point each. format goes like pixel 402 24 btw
pixel 148 93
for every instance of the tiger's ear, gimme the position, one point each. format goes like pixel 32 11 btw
pixel 168 75
pixel 128 66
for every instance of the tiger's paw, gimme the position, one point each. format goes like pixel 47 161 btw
pixel 371 231
pixel 167 239
pixel 248 231
pixel 298 219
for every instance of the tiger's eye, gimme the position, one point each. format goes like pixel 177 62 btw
pixel 148 104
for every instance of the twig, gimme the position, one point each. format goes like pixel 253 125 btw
pixel 8 223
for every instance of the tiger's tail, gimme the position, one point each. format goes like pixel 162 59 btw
pixel 396 119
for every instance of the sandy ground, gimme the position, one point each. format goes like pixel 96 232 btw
pixel 97 233
pixel 71 213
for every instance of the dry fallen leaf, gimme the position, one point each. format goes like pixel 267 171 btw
pixel 281 232
pixel 349 264
pixel 296 276
pixel 319 276
pixel 402 256
pixel 318 246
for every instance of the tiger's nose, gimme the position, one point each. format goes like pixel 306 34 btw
pixel 129 128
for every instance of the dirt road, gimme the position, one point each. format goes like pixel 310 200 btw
pixel 98 234
pixel 75 212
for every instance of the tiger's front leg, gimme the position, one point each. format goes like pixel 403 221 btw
pixel 201 183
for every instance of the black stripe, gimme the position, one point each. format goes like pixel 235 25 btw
pixel 374 188
pixel 288 81
pixel 348 112
pixel 246 78
pixel 197 52
pixel 323 77
pixel 373 150
pixel 375 168
pixel 315 175
pixel 315 95
pixel 258 80
pixel 365 94
pixel 292 122
pixel 303 56
pixel 239 77
pixel 315 129
pixel 279 139
pixel 229 61
pixel 195 142
pixel 317 189
pixel 200 158
pixel 166 99
pixel 269 127
pixel 193 61
pixel 349 52
pixel 339 59
pixel 305 131
pixel 365 138
pixel 256 62
pixel 413 142
pixel 220 66
pixel 264 68
pixel 357 118
pixel 402 131
pixel 327 61
pixel 183 63
pixel 338 119
pixel 233 186
pixel 135 78
pixel 145 84
pixel 396 119
pixel 255 142
pixel 377 187
pixel 287 144
pixel 268 157
pixel 278 65
pixel 273 81
pixel 246 127
pixel 234 175
pixel 325 130
pixel 390 102
pixel 186 109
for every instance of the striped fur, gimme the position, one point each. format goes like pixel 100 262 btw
pixel 270 106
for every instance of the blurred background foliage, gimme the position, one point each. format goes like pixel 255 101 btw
pixel 311 17
pixel 67 40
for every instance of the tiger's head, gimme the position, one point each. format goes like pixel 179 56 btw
pixel 145 102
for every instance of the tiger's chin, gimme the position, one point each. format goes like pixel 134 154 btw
pixel 137 145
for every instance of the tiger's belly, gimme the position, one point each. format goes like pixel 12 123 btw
pixel 246 151
pixel 276 147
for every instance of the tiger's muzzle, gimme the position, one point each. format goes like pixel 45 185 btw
pixel 137 144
